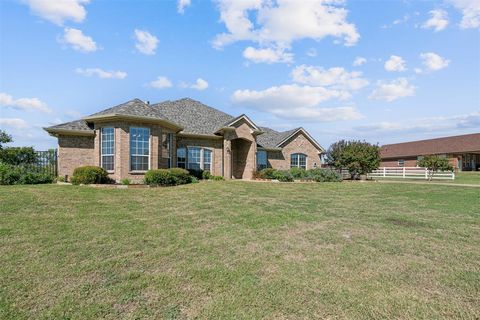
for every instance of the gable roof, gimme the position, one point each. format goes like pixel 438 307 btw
pixel 191 116
pixel 463 143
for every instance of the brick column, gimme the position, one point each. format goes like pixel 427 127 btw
pixel 227 159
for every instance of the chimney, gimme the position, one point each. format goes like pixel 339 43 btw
pixel 148 102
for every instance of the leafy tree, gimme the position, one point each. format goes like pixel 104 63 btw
pixel 18 155
pixel 4 138
pixel 435 163
pixel 358 157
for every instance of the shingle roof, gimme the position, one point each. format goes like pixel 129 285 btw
pixel 193 116
pixel 77 125
pixel 271 138
pixel 463 143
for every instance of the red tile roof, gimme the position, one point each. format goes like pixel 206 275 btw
pixel 455 144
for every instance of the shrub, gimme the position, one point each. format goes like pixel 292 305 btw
pixel 324 175
pixel 196 173
pixel 283 176
pixel 298 173
pixel 194 180
pixel 216 178
pixel 125 182
pixel 160 177
pixel 256 174
pixel 359 157
pixel 206 175
pixel 89 175
pixel 268 173
pixel 61 178
pixel 181 176
pixel 10 174
pixel 18 155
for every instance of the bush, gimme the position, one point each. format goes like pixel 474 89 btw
pixel 125 182
pixel 89 175
pixel 324 175
pixel 298 173
pixel 268 173
pixel 182 176
pixel 61 178
pixel 196 173
pixel 206 175
pixel 160 177
pixel 10 174
pixel 216 178
pixel 283 176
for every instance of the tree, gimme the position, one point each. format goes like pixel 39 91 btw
pixel 358 157
pixel 4 138
pixel 435 163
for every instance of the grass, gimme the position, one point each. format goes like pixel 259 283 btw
pixel 240 250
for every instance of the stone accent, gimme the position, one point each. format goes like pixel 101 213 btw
pixel 73 152
pixel 299 143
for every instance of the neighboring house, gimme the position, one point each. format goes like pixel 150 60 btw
pixel 462 151
pixel 133 137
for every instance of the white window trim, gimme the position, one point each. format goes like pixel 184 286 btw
pixel 101 149
pixel 141 155
pixel 298 160
pixel 202 164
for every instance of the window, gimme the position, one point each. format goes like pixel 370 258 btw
pixel 139 149
pixel 298 160
pixel 207 159
pixel 195 158
pixel 107 140
pixel 261 160
pixel 401 162
pixel 181 157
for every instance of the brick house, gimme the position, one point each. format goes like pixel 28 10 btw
pixel 133 137
pixel 462 151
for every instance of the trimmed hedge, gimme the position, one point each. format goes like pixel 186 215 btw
pixel 167 177
pixel 89 175
pixel 316 174
pixel 10 174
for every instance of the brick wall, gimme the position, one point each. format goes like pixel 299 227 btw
pixel 296 144
pixel 73 152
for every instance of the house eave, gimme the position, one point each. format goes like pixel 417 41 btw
pixel 201 136
pixel 66 132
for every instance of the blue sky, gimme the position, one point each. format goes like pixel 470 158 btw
pixel 383 71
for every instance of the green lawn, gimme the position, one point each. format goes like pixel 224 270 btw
pixel 472 177
pixel 240 250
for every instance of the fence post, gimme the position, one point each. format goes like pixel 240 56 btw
pixel 384 172
pixel 426 173
pixel 404 172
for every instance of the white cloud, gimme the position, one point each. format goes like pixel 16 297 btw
pixel 182 4
pixel 58 11
pixel 390 91
pixel 395 63
pixel 312 52
pixel 101 73
pixel 431 124
pixel 433 62
pixel 297 102
pixel 359 61
pixel 200 84
pixel 471 13
pixel 146 42
pixel 337 78
pixel 27 104
pixel 77 40
pixel 13 123
pixel 267 55
pixel 438 20
pixel 161 83
pixel 277 24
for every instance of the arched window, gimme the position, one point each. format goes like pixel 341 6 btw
pixel 298 160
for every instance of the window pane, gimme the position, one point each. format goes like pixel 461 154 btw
pixel 181 157
pixel 207 159
pixel 139 148
pixel 302 161
pixel 107 140
pixel 294 160
pixel 261 160
pixel 194 158
pixel 298 160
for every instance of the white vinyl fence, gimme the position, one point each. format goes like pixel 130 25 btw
pixel 410 173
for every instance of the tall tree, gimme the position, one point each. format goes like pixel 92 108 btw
pixel 358 157
pixel 4 138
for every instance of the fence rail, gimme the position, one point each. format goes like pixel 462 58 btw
pixel 411 173
pixel 45 162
